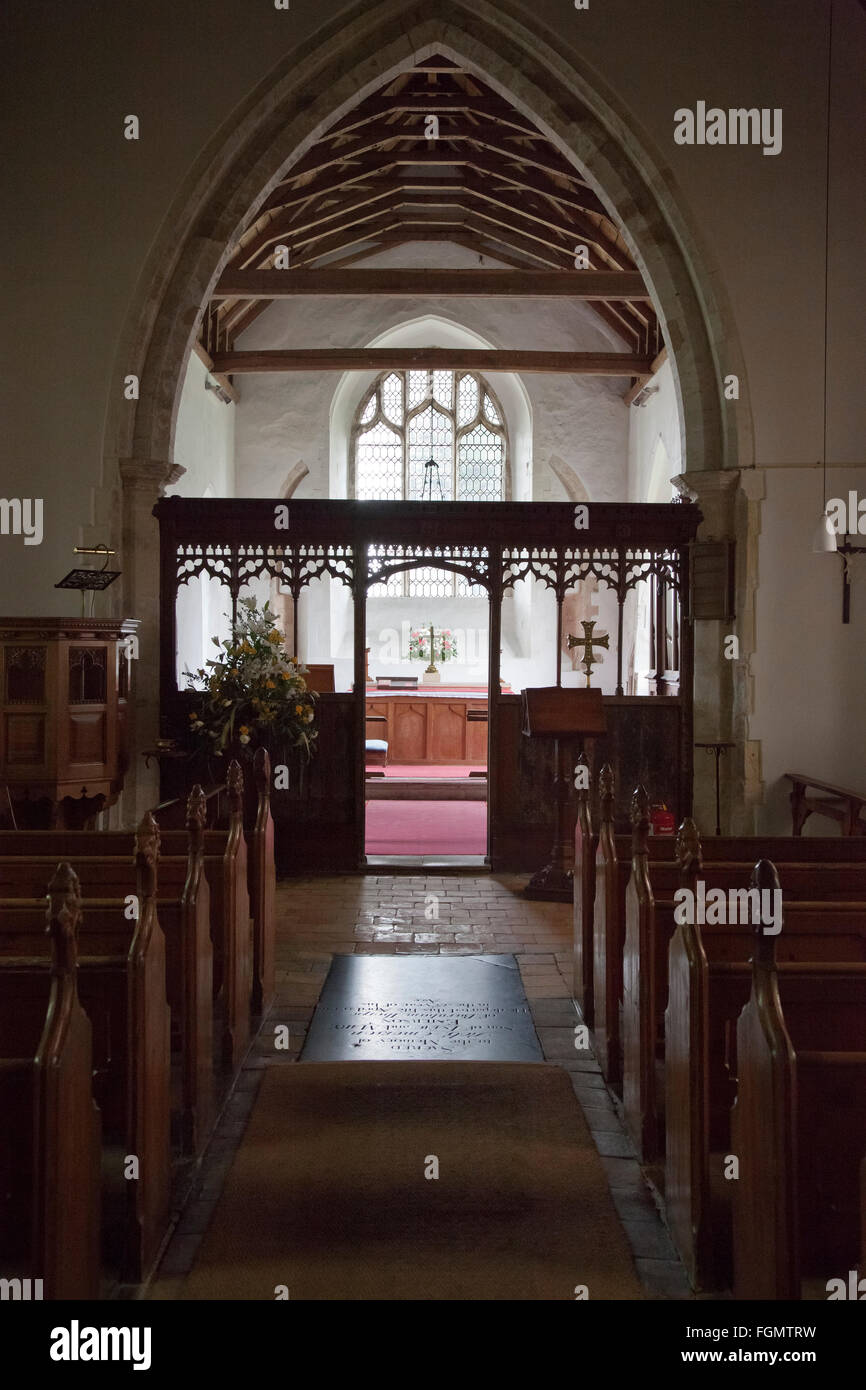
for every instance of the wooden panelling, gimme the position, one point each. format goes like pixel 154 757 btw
pixel 421 728
pixel 644 742
pixel 87 738
pixel 447 736
pixel 25 740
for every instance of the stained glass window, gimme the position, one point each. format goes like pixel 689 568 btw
pixel 406 420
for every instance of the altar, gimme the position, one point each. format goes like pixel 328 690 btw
pixel 430 724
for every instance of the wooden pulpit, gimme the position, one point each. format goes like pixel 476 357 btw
pixel 560 712
pixel 63 702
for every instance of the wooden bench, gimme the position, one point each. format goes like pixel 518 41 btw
pixel 122 986
pixel 260 867
pixel 838 803
pixel 585 850
pixel 225 865
pixel 662 849
pixel 798 1124
pixel 709 981
pixel 649 928
pixel 50 1132
pixel 603 883
pixel 611 876
pixel 602 868
pixel 183 908
pixel 263 888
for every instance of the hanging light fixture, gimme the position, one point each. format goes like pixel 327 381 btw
pixel 824 539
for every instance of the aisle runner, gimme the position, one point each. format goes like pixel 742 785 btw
pixel 328 1199
pixel 426 827
pixel 384 1008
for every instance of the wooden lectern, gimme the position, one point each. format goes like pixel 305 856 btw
pixel 559 712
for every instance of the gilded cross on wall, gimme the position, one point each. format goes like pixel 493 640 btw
pixel 587 642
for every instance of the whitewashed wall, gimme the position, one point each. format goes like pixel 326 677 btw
pixel 284 420
pixel 559 427
pixel 654 441
pixel 809 667
pixel 205 448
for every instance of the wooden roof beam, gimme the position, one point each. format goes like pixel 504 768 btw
pixel 616 364
pixel 479 284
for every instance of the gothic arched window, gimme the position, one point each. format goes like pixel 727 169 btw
pixel 429 434
pixel 408 419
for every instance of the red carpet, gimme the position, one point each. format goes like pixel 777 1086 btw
pixel 426 827
pixel 421 770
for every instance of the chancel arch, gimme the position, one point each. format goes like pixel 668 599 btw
pixel 277 133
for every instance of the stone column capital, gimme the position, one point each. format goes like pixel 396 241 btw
pixel 714 490
pixel 149 475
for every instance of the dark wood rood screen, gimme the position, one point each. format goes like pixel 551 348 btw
pixel 493 545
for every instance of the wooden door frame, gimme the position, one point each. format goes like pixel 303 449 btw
pixel 361 584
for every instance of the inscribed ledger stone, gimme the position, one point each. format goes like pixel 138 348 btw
pixel 383 1008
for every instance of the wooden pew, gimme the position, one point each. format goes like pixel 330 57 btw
pixel 260 868
pixel 183 907
pixel 585 848
pixel 798 1124
pixel 122 986
pixel 263 888
pixel 590 950
pixel 649 927
pixel 232 877
pixel 709 983
pixel 224 861
pixel 255 959
pixel 639 974
pixel 611 876
pixel 50 1132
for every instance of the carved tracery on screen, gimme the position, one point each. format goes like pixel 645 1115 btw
pixel 621 569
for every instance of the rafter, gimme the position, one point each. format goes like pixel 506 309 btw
pixel 492 183
pixel 437 103
pixel 367 169
pixel 489 137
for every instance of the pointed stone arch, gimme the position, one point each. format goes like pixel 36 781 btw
pixel 325 78
pixel 321 80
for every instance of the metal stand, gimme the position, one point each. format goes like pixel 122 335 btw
pixel 555 882
pixel 719 749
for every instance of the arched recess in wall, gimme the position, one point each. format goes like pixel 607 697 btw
pixel 569 478
pixel 660 488
pixel 294 478
pixel 322 80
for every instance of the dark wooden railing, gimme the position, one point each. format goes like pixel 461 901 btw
pixel 838 803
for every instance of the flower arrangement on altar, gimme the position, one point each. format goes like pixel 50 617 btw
pixel 432 644
pixel 254 692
